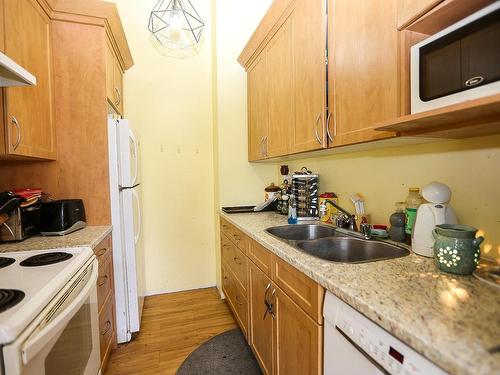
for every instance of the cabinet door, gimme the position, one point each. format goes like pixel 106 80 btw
pixel 297 339
pixel 363 69
pixel 257 108
pixel 30 110
pixel 280 95
pixel 308 130
pixel 261 327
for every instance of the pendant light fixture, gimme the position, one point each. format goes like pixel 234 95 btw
pixel 175 24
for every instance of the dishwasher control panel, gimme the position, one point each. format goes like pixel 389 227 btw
pixel 388 353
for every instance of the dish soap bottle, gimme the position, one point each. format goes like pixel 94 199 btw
pixel 292 210
pixel 398 222
pixel 413 200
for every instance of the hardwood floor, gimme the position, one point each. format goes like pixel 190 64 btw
pixel 173 325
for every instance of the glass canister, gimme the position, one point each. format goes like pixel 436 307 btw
pixel 456 249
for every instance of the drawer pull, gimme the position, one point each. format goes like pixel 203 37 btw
pixel 237 260
pixel 101 252
pixel 226 280
pixel 107 328
pixel 224 226
pixel 102 280
pixel 236 237
pixel 238 301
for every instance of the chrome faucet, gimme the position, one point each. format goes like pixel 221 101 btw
pixel 347 220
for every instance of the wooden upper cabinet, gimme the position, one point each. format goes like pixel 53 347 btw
pixel 308 129
pixel 363 69
pixel 280 98
pixel 114 79
pixel 29 111
pixel 258 116
pixel 410 10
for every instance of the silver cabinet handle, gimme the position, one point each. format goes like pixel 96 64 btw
pixel 316 129
pixel 330 138
pixel 18 139
pixel 265 146
pixel 267 290
pixel 273 295
pixel 118 96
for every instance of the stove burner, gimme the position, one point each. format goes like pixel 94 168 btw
pixel 45 259
pixel 4 262
pixel 9 298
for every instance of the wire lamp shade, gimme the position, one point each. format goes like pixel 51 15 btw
pixel 175 24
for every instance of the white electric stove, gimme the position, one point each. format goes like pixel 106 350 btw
pixel 48 312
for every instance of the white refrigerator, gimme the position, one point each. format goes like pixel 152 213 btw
pixel 126 217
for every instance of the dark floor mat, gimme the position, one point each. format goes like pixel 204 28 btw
pixel 227 353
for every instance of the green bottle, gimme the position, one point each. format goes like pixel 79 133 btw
pixel 413 201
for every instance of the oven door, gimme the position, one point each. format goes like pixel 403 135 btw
pixel 64 339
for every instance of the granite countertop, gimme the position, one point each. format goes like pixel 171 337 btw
pixel 89 236
pixel 451 320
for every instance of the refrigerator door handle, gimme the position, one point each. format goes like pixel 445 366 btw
pixel 121 188
pixel 135 196
pixel 135 156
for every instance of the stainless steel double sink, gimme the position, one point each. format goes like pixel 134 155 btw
pixel 327 243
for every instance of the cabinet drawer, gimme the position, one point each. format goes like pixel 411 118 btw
pixel 304 291
pixel 235 235
pixel 107 329
pixel 236 261
pixel 260 256
pixel 236 298
pixel 103 250
pixel 104 282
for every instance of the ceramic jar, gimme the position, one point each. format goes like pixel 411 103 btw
pixel 456 249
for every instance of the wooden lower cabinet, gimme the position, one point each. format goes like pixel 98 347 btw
pixel 298 340
pixel 280 314
pixel 261 324
pixel 106 300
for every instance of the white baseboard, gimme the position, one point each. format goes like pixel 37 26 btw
pixel 168 291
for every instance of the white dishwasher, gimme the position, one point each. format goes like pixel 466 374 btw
pixel 354 345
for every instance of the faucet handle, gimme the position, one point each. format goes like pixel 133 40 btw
pixel 366 229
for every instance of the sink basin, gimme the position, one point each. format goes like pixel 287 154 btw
pixel 302 232
pixel 351 250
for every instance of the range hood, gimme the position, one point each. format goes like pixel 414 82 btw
pixel 13 74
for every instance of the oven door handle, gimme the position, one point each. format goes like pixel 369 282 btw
pixel 39 340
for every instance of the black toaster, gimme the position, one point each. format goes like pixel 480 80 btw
pixel 61 217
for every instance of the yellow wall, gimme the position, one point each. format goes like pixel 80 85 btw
pixel 169 104
pixel 236 180
pixel 471 168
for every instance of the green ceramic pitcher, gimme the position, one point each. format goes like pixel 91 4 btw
pixel 456 249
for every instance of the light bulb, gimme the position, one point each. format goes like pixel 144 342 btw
pixel 176 20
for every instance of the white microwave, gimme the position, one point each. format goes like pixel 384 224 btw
pixel 460 63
